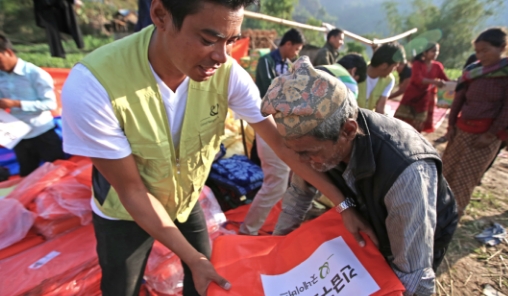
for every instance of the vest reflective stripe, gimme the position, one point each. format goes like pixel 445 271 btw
pixel 371 102
pixel 174 176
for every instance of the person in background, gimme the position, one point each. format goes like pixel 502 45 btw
pixel 277 61
pixel 404 71
pixel 329 53
pixel 275 171
pixel 351 69
pixel 27 91
pixel 417 104
pixel 478 119
pixel 375 90
pixel 144 19
pixel 387 170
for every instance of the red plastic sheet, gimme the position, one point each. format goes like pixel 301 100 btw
pixel 15 221
pixel 48 266
pixel 65 199
pixel 31 240
pixel 59 76
pixel 86 283
pixel 43 177
pixel 52 228
pixel 242 259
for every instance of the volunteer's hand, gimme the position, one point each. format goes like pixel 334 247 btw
pixel 355 223
pixel 9 103
pixel 203 273
pixel 484 140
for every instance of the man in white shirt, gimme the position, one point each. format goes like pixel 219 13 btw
pixel 376 89
pixel 184 49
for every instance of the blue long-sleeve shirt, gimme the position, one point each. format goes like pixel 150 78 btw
pixel 34 88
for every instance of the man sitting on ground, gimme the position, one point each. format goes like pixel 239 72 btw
pixel 387 170
pixel 27 91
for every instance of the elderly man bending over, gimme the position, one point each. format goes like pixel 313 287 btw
pixel 389 173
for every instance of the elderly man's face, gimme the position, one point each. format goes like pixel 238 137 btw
pixel 321 155
pixel 324 155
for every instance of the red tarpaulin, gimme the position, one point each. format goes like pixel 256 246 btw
pixel 243 259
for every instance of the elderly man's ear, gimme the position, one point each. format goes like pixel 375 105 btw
pixel 350 129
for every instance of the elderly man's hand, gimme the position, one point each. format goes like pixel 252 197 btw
pixel 9 103
pixel 355 223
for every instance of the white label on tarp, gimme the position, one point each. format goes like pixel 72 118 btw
pixel 332 269
pixel 12 130
pixel 39 263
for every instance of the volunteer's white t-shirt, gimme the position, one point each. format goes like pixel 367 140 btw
pixel 371 84
pixel 90 127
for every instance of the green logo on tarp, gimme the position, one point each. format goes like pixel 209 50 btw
pixel 324 270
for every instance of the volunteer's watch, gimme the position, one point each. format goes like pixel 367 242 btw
pixel 346 204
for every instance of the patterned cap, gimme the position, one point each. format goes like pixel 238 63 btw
pixel 303 98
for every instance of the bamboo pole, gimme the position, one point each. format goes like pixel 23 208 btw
pixel 375 42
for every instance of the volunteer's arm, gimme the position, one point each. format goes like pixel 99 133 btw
pixel 381 103
pixel 402 88
pixel 150 215
pixel 353 222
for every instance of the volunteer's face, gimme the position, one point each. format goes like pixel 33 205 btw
pixel 386 69
pixel 488 54
pixel 321 155
pixel 294 50
pixel 200 46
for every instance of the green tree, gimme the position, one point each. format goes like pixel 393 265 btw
pixel 458 20
pixel 276 8
pixel 355 46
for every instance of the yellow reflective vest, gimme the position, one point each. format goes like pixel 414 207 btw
pixel 173 175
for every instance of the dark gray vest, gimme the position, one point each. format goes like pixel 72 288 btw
pixel 388 147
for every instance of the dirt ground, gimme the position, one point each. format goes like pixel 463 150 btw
pixel 468 266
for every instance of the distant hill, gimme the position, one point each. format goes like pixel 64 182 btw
pixel 368 16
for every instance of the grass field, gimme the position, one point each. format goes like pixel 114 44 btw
pixel 38 54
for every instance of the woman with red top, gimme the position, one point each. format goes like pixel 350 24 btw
pixel 478 119
pixel 417 104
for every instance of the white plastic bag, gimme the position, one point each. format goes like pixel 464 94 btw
pixel 15 221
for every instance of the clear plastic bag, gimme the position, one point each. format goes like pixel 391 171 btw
pixel 43 177
pixel 64 199
pixel 15 221
pixel 164 271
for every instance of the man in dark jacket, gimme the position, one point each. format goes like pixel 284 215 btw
pixel 388 172
pixel 329 53
pixel 276 62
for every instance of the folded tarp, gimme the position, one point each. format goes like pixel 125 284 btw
pixel 46 267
